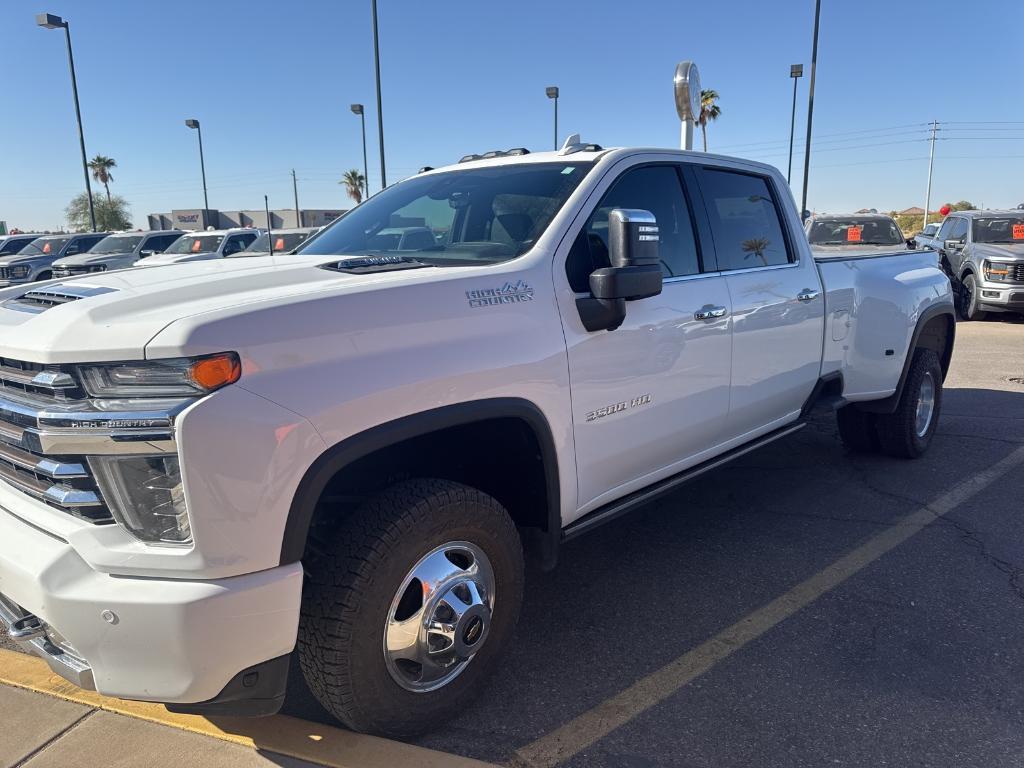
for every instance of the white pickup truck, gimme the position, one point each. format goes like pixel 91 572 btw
pixel 348 454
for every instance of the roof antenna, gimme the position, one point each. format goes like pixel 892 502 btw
pixel 572 141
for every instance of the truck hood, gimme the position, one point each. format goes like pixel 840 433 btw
pixel 129 307
pixel 83 259
pixel 28 258
pixel 1009 251
pixel 157 259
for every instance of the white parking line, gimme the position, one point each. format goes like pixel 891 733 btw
pixel 583 731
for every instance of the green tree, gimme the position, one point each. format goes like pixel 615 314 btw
pixel 111 214
pixel 709 110
pixel 100 167
pixel 354 183
pixel 963 205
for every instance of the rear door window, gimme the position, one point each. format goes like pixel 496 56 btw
pixel 745 220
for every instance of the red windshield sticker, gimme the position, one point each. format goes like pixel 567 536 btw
pixel 46 248
pixel 197 246
pixel 853 234
pixel 1018 231
pixel 279 244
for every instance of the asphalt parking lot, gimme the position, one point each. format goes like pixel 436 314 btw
pixel 801 607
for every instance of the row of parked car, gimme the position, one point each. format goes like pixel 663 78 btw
pixel 982 252
pixel 26 258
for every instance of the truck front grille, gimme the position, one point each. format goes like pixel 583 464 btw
pixel 74 271
pixel 5 273
pixel 62 481
pixel 1017 273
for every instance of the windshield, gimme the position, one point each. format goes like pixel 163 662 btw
pixel 999 229
pixel 471 216
pixel 45 245
pixel 283 242
pixel 880 231
pixel 117 244
pixel 195 244
pixel 13 245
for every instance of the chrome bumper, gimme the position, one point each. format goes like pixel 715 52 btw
pixel 36 637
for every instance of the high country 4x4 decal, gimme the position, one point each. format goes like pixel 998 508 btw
pixel 509 293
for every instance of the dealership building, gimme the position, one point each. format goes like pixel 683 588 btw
pixel 197 218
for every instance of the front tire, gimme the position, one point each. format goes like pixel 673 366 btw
pixel 408 604
pixel 970 300
pixel 908 431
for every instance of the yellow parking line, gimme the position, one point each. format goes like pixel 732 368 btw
pixel 285 735
pixel 582 732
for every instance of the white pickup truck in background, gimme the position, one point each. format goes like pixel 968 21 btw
pixel 345 453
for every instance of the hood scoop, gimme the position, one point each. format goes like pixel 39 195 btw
pixel 365 265
pixel 41 299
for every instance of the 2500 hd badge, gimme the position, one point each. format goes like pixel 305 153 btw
pixel 625 405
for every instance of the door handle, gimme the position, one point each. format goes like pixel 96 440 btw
pixel 807 294
pixel 709 312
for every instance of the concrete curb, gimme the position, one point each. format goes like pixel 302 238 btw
pixel 301 739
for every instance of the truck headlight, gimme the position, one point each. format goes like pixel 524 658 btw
pixel 20 273
pixel 995 271
pixel 183 376
pixel 145 495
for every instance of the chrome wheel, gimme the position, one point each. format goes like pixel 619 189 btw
pixel 440 616
pixel 925 405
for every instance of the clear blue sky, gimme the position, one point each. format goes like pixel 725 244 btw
pixel 271 83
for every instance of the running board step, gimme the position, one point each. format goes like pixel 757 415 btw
pixel 628 503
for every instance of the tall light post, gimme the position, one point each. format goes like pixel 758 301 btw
pixel 810 106
pixel 192 123
pixel 50 21
pixel 380 109
pixel 357 109
pixel 796 71
pixel 552 93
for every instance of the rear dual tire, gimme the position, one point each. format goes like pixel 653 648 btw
pixel 908 431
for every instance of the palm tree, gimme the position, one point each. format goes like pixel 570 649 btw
pixel 354 183
pixel 709 110
pixel 100 167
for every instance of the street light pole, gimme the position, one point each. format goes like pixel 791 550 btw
pixel 51 21
pixel 380 108
pixel 810 107
pixel 357 109
pixel 931 162
pixel 295 189
pixel 796 71
pixel 552 93
pixel 202 163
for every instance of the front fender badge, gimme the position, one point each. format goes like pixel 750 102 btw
pixel 509 293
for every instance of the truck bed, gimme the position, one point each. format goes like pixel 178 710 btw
pixel 872 304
